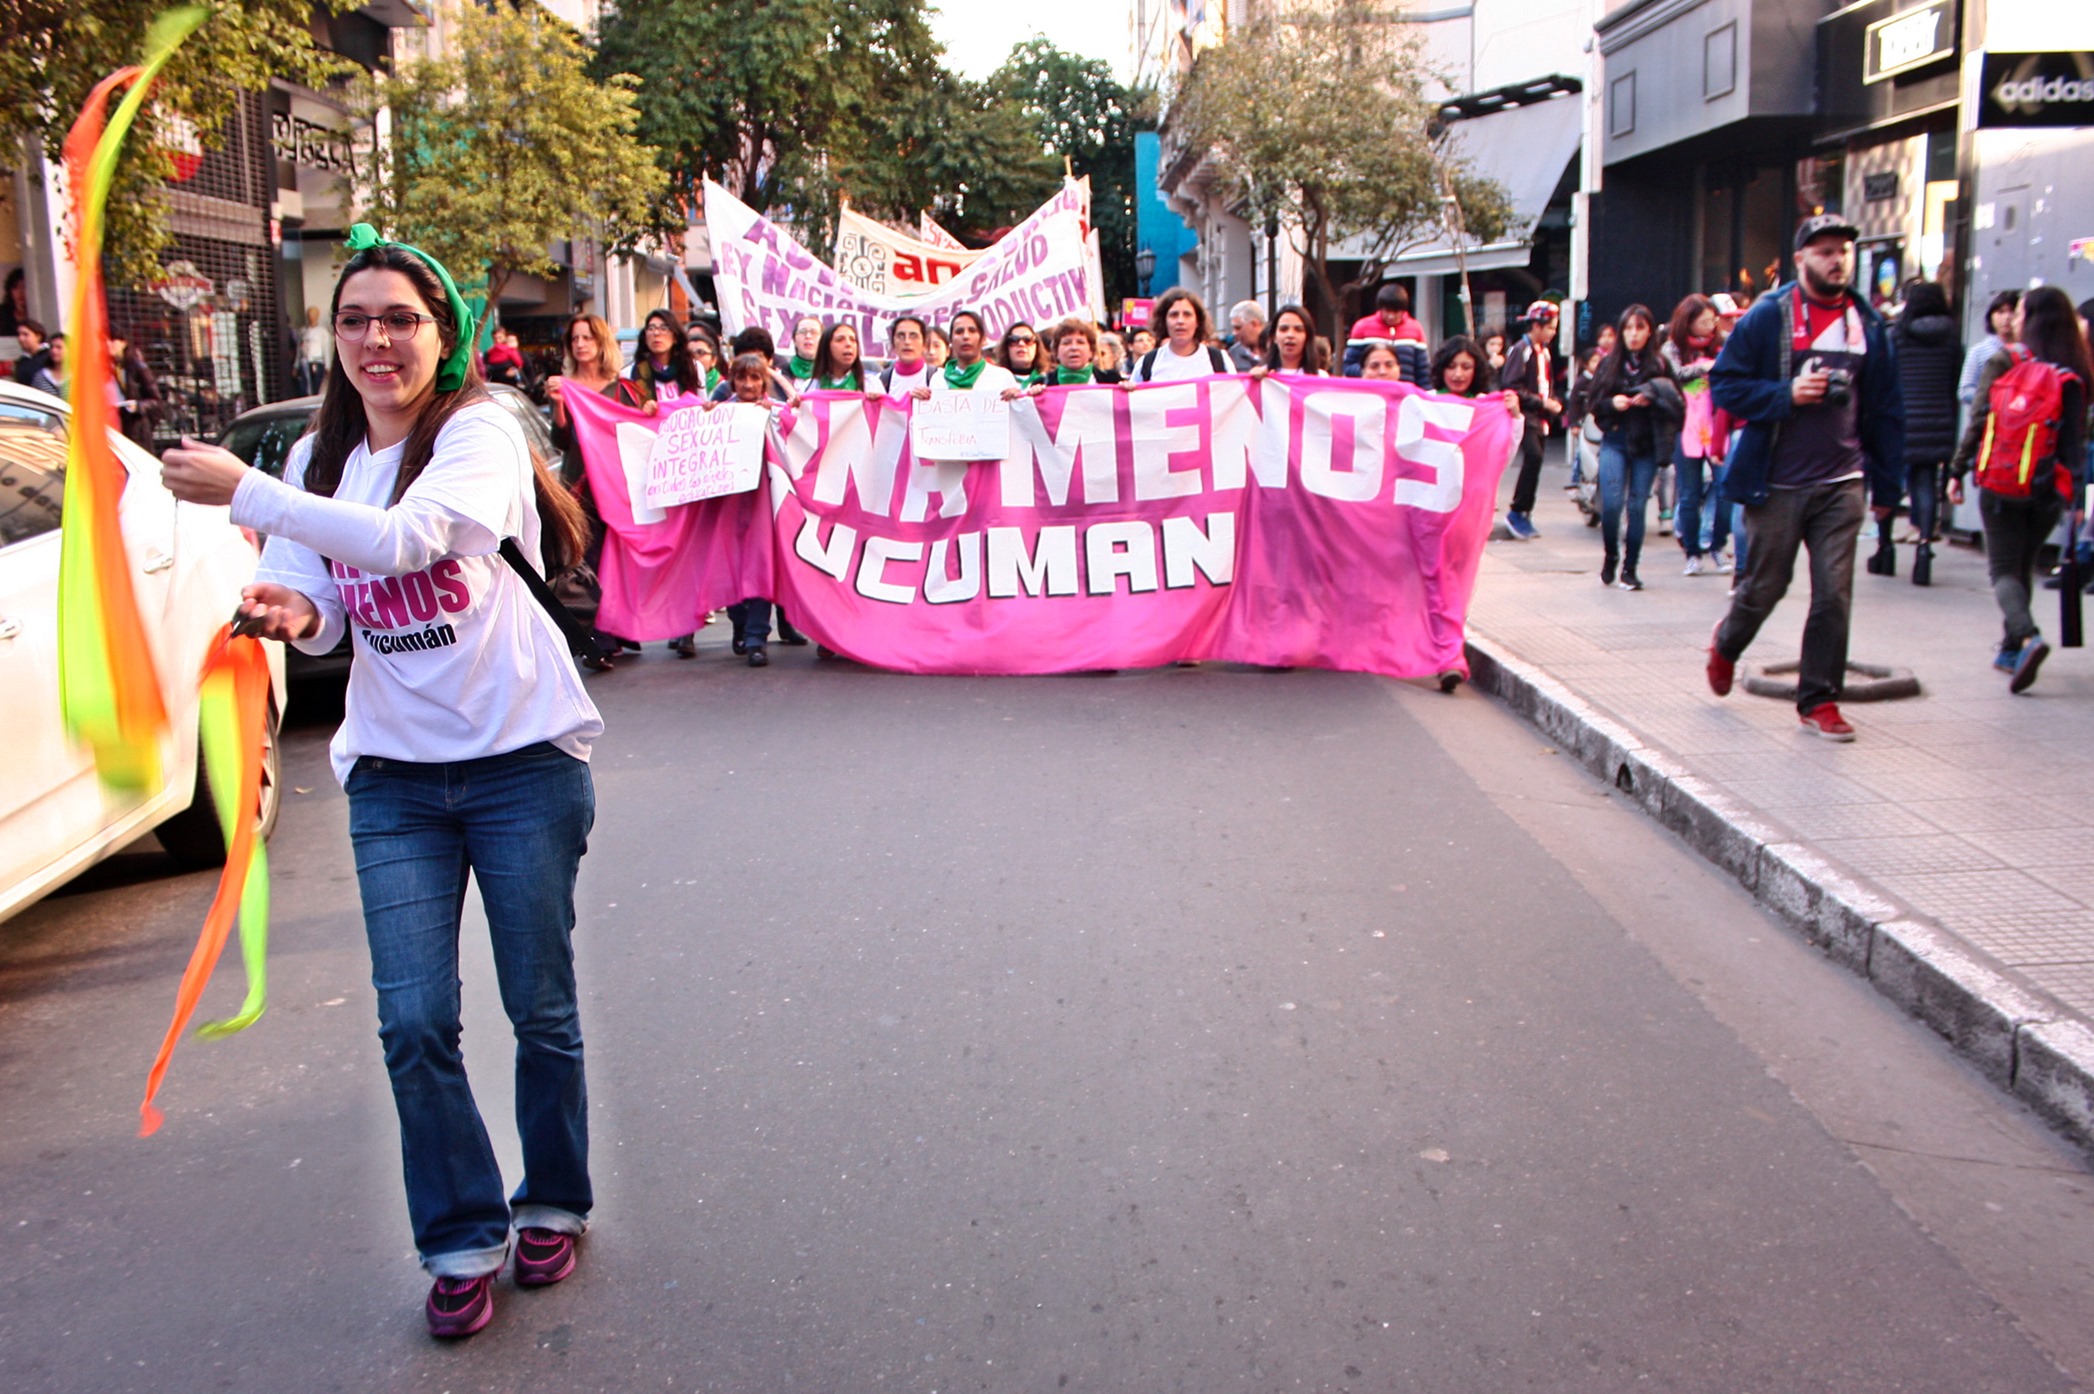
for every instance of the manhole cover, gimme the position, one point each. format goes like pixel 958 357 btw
pixel 1866 682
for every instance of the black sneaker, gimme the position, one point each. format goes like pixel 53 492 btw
pixel 759 659
pixel 1607 568
pixel 543 1257
pixel 459 1306
pixel 1628 582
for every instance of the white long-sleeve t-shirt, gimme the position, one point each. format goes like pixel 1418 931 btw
pixel 454 658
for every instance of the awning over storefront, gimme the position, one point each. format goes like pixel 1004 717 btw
pixel 1525 148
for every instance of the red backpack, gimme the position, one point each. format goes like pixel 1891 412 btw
pixel 2021 433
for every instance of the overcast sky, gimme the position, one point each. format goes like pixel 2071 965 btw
pixel 978 34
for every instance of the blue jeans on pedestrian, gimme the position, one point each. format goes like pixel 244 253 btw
pixel 1625 480
pixel 1699 482
pixel 751 621
pixel 518 824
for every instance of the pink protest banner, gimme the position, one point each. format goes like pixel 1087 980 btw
pixel 666 569
pixel 1310 522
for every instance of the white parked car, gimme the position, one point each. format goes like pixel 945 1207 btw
pixel 188 564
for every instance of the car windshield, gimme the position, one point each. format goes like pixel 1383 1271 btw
pixel 265 441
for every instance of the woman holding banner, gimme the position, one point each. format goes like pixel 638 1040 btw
pixel 664 368
pixel 1185 352
pixel 837 366
pixel 590 364
pixel 464 745
pixel 967 370
pixel 1292 346
pixel 1019 351
pixel 666 371
pixel 807 340
pixel 1075 345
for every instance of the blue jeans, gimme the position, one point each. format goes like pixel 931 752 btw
pixel 1699 482
pixel 518 823
pixel 1624 479
pixel 751 621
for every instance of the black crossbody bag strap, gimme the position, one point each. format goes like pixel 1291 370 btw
pixel 580 642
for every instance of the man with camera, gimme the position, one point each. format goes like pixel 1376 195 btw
pixel 1809 370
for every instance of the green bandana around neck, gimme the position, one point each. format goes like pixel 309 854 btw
pixel 712 378
pixel 964 378
pixel 450 374
pixel 800 367
pixel 1074 377
pixel 842 384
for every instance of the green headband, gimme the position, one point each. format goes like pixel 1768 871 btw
pixel 450 374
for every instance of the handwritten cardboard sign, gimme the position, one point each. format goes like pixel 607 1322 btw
pixel 700 454
pixel 961 426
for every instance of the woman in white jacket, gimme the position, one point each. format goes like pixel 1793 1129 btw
pixel 464 746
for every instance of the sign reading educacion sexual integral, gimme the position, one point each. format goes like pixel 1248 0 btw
pixel 1038 272
pixel 1311 522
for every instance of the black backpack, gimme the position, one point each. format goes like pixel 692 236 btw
pixel 1215 360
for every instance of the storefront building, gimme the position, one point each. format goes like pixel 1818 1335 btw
pixel 1954 135
pixel 1705 113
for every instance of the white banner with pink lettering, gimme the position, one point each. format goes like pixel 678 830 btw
pixel 1038 272
pixel 1308 522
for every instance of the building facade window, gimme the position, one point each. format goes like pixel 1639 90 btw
pixel 1621 105
pixel 1719 62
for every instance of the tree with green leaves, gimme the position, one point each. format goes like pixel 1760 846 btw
pixel 504 147
pixel 763 95
pixel 53 51
pixel 1080 111
pixel 967 152
pixel 1319 117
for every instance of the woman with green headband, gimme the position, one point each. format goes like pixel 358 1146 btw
pixel 464 744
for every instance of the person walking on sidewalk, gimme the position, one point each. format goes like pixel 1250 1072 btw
pixel 1929 357
pixel 1811 373
pixel 1530 371
pixel 1638 407
pixel 1692 341
pixel 464 746
pixel 2027 431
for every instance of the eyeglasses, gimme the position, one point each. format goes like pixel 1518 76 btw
pixel 350 327
pixel 701 348
pixel 1023 339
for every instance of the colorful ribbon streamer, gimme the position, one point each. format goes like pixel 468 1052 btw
pixel 233 715
pixel 108 688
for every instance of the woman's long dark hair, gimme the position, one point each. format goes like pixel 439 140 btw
pixel 683 369
pixel 1308 342
pixel 825 357
pixel 1454 348
pixel 1649 362
pixel 2050 331
pixel 340 425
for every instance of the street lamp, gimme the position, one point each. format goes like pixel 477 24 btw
pixel 1144 268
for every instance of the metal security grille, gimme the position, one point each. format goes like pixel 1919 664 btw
pixel 211 329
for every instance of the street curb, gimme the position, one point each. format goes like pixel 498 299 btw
pixel 2016 1037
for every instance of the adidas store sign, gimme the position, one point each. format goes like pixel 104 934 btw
pixel 2038 89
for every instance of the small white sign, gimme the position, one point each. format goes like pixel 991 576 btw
pixel 961 426
pixel 700 454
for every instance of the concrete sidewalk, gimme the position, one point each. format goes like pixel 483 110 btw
pixel 1947 854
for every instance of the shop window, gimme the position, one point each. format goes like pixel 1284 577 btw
pixel 1719 62
pixel 1621 105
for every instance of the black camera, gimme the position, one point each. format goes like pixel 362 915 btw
pixel 1839 387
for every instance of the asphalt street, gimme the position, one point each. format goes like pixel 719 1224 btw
pixel 1196 1030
